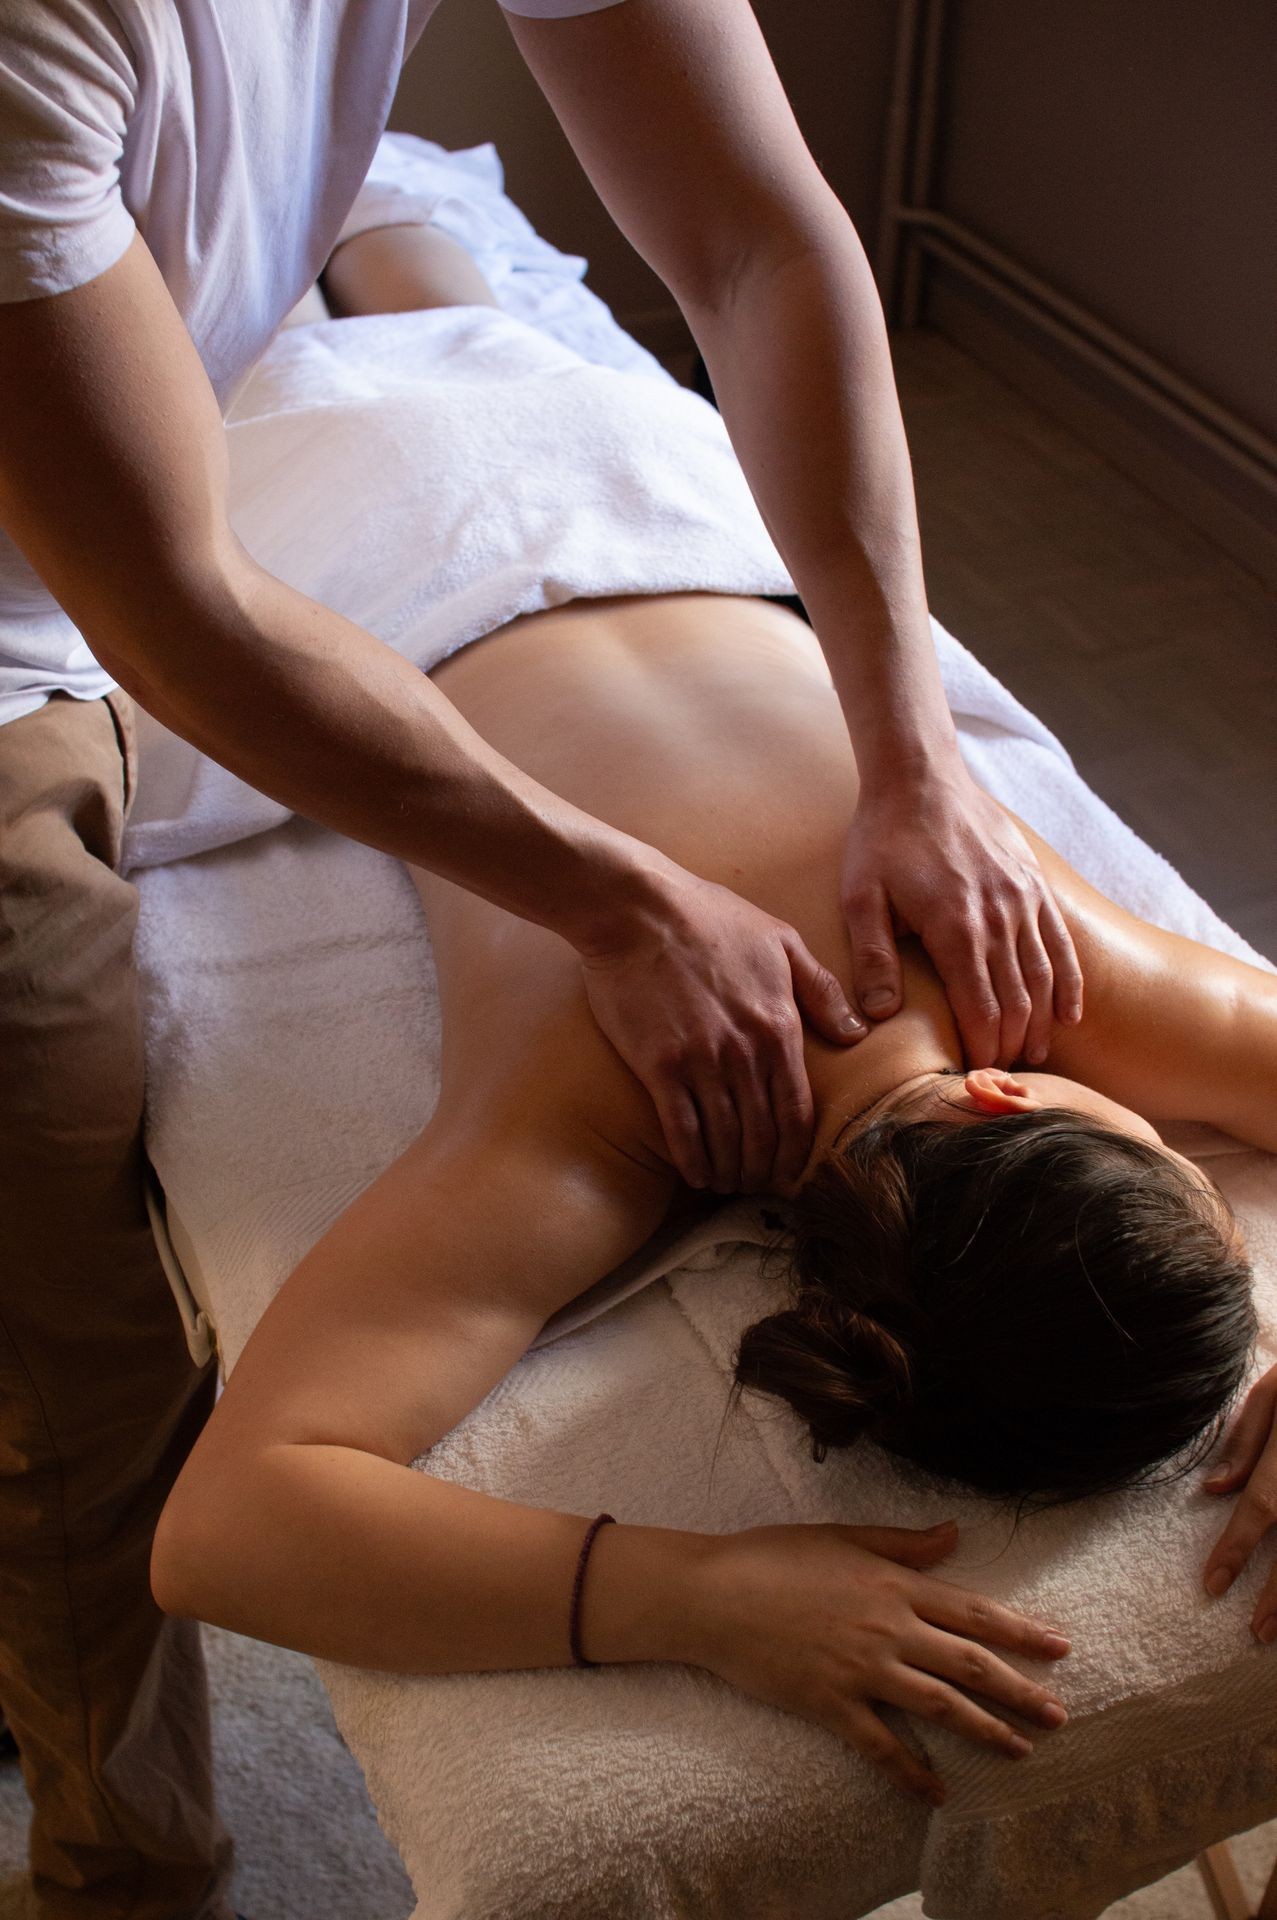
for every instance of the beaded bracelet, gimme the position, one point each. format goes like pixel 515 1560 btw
pixel 574 1619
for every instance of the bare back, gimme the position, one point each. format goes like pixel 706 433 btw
pixel 707 725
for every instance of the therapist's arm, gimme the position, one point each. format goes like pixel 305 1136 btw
pixel 675 110
pixel 114 478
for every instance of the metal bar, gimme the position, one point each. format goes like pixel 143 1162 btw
pixel 1223 1887
pixel 1195 419
pixel 895 157
pixel 926 116
pixel 1234 440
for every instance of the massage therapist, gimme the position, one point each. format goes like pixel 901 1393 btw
pixel 173 176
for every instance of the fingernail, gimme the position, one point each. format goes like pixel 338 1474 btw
pixel 1019 1746
pixel 1216 1474
pixel 1035 1056
pixel 942 1526
pixel 1267 1630
pixel 1220 1581
pixel 1053 1714
pixel 878 999
pixel 1056 1642
pixel 850 1024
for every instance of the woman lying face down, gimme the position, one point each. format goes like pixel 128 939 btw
pixel 1004 1277
pixel 1009 1280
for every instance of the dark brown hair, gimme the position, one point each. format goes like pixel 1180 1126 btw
pixel 1031 1304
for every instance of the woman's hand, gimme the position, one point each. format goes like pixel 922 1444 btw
pixel 935 856
pixel 1249 1461
pixel 703 996
pixel 831 1622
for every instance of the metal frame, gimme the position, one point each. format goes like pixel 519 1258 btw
pixel 910 232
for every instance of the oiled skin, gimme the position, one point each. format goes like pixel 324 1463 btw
pixel 708 726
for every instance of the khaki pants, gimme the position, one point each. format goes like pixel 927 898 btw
pixel 99 1401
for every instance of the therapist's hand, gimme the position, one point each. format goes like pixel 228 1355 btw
pixel 1248 1463
pixel 703 996
pixel 936 856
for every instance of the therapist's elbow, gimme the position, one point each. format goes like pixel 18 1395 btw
pixel 157 633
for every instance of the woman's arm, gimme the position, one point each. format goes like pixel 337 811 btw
pixel 297 1519
pixel 1173 1029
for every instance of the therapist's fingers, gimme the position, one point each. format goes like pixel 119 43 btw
pixel 721 1133
pixel 974 1003
pixel 875 963
pixel 1014 1000
pixel 681 1126
pixel 819 995
pixel 1066 968
pixel 1039 979
pixel 751 1094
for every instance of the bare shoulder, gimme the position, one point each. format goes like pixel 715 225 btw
pixel 1173 1029
pixel 432 1284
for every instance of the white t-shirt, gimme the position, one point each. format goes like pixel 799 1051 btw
pixel 234 136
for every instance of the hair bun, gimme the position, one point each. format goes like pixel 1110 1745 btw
pixel 840 1369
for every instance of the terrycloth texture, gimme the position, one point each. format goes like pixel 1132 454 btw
pixel 293 1041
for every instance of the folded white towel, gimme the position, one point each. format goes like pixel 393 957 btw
pixel 292 1033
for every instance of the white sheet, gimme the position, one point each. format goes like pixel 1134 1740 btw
pixel 292 1036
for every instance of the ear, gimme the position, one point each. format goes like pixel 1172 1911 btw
pixel 992 1090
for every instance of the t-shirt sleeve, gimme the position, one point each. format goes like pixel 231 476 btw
pixel 67 88
pixel 555 9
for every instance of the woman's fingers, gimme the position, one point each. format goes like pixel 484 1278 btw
pixel 967 1665
pixel 935 1699
pixel 1249 1462
pixel 1246 1439
pixel 862 1729
pixel 1250 1520
pixel 977 1617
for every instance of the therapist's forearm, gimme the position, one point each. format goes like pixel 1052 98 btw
pixel 798 355
pixel 324 718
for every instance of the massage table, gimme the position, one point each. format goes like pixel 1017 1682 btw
pixel 292 1036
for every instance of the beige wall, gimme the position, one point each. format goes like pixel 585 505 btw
pixel 1129 153
pixel 1125 153
pixel 466 83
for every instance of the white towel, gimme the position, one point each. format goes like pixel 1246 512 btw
pixel 292 1033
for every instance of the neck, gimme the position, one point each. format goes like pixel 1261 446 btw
pixel 845 1081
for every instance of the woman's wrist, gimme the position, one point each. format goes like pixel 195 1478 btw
pixel 642 1595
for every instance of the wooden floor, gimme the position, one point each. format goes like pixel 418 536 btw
pixel 1148 650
